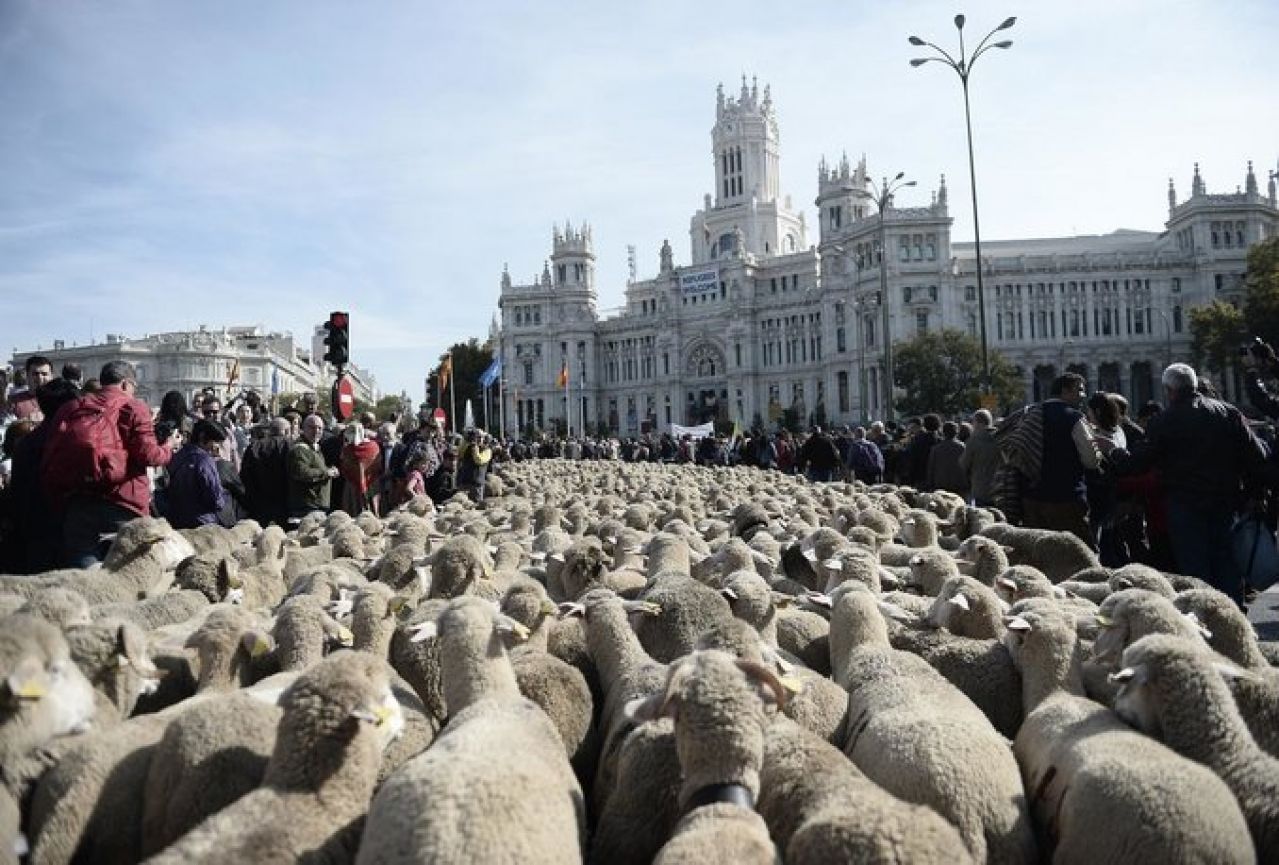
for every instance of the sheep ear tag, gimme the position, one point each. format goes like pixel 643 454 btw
pixel 345 637
pixel 728 593
pixel 28 687
pixel 792 684
pixel 424 631
pixel 1135 675
pixel 1199 626
pixel 1017 623
pixel 257 644
pixel 961 600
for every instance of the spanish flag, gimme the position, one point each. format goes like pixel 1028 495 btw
pixel 446 372
pixel 563 379
pixel 234 376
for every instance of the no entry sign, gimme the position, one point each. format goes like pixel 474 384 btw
pixel 343 398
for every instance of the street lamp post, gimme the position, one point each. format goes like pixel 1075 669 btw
pixel 963 67
pixel 883 196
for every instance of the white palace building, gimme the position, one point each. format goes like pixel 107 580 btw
pixel 760 320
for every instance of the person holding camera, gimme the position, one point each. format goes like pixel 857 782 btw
pixel 1259 359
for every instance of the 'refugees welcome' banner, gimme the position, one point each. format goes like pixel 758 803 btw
pixel 703 280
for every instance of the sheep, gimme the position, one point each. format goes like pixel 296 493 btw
pixel 687 609
pixel 402 567
pixel 1231 633
pixel 207 758
pixel 917 736
pixel 930 568
pixel 527 809
pixel 559 688
pixel 13 844
pixel 417 659
pixel 338 718
pixel 821 705
pixel 211 577
pixel 1099 791
pixel 919 529
pixel 373 619
pixel 1173 690
pixel 461 565
pixel 983 558
pixel 1060 555
pixel 821 809
pixel 113 656
pixel 721 708
pixel 968 652
pixel 151 613
pixel 45 695
pixel 805 634
pixel 584 567
pixel 226 645
pixel 139 564
pixel 64 608
pixel 668 553
pixel 302 632
pixel 1130 614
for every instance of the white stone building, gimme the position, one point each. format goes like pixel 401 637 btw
pixel 759 320
pixel 189 361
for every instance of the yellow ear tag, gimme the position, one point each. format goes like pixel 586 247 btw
pixel 548 608
pixel 235 582
pixel 1104 621
pixel 31 689
pixel 345 637
pixel 260 647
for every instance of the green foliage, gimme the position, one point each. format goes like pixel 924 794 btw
pixel 941 372
pixel 1261 291
pixel 1217 330
pixel 470 359
pixel 388 405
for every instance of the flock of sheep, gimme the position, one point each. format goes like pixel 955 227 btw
pixel 627 663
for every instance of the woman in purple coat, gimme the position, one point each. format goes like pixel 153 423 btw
pixel 195 494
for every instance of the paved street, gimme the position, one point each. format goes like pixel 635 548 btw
pixel 1264 614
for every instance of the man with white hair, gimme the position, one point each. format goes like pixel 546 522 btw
pixel 1202 450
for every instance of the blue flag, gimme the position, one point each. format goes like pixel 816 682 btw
pixel 491 374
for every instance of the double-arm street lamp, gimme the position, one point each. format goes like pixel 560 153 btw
pixel 963 68
pixel 883 197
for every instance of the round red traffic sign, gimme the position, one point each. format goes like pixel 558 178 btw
pixel 438 416
pixel 343 398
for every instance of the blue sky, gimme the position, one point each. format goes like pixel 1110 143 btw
pixel 167 163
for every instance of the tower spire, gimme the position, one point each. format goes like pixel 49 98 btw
pixel 1197 185
pixel 1172 197
pixel 1250 182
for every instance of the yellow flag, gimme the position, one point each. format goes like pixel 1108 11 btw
pixel 446 372
pixel 563 380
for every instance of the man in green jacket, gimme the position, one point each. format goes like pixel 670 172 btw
pixel 309 477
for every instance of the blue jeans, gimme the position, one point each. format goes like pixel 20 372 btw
pixel 820 476
pixel 1201 543
pixel 83 525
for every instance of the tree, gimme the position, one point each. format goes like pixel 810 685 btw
pixel 1217 330
pixel 389 405
pixel 941 372
pixel 1261 291
pixel 470 359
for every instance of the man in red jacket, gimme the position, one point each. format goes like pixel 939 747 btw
pixel 90 513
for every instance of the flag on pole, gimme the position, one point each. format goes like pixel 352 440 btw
pixel 563 379
pixel 233 377
pixel 491 374
pixel 275 380
pixel 446 372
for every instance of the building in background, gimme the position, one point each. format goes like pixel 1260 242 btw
pixel 759 321
pixel 269 362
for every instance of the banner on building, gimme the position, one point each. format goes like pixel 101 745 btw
pixel 696 432
pixel 703 280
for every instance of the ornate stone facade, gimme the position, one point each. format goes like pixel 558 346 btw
pixel 760 321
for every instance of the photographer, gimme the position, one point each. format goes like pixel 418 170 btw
pixel 1259 359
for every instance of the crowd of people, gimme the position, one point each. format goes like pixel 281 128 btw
pixel 1165 488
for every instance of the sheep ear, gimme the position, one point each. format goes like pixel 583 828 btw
pixel 570 608
pixel 820 600
pixel 1230 672
pixel 810 554
pixel 728 593
pixel 422 631
pixel 1017 623
pixel 959 599
pixel 770 688
pixel 1008 551
pixel 889 610
pixel 644 709
pixel 131 645
pixel 1135 675
pixel 505 625
pixel 1193 618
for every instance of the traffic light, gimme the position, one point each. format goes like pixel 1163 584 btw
pixel 338 339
